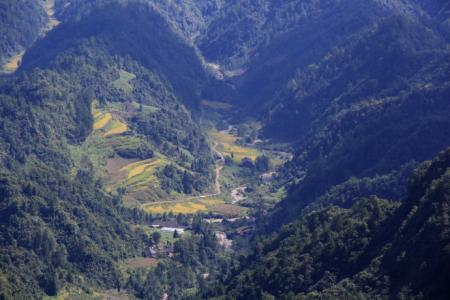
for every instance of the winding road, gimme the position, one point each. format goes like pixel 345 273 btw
pixel 218 187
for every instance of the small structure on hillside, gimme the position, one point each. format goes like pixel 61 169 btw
pixel 268 177
pixel 160 251
pixel 223 240
pixel 179 230
pixel 169 226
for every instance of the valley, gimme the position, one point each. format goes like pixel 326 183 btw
pixel 137 180
pixel 224 150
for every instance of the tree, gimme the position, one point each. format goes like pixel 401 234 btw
pixel 262 163
pixel 156 237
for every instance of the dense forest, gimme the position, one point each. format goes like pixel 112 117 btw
pixel 21 23
pixel 372 249
pixel 225 149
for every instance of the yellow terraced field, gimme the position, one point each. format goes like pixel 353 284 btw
pixel 188 207
pixel 116 128
pixel 227 146
pixel 137 171
pixel 140 175
pixel 102 121
pixel 195 206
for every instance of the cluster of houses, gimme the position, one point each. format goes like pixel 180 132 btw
pixel 164 250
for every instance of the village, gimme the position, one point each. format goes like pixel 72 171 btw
pixel 165 233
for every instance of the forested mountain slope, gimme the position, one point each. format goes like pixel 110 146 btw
pixel 21 23
pixel 189 18
pixel 362 120
pixel 374 249
pixel 361 88
pixel 58 226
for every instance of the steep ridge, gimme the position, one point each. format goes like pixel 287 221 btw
pixel 366 120
pixel 372 249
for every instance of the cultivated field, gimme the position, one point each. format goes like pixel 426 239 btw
pixel 142 173
pixel 228 147
pixel 109 124
pixel 194 206
pixel 102 120
pixel 115 127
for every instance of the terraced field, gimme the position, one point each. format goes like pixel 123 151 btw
pixel 228 147
pixel 109 124
pixel 140 175
pixel 101 120
pixel 115 127
pixel 194 206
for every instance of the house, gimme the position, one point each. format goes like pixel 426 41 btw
pixel 180 230
pixel 223 240
pixel 160 251
pixel 268 177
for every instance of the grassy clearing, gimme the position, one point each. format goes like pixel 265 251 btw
pixel 96 150
pixel 166 236
pixel 13 64
pixel 216 105
pixel 227 146
pixel 123 82
pixel 145 108
pixel 73 293
pixel 140 263
pixel 49 6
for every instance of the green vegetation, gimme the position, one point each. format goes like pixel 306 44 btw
pixel 21 22
pixel 198 259
pixel 105 135
pixel 59 228
pixel 372 249
pixel 123 82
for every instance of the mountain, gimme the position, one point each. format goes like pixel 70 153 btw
pixel 360 89
pixel 218 149
pixel 375 248
pixel 58 226
pixel 360 133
